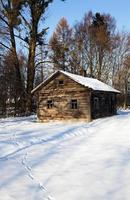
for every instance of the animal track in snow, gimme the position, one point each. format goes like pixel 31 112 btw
pixel 32 177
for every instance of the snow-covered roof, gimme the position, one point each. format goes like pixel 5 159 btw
pixel 91 83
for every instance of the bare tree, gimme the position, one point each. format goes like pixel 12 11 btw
pixel 93 44
pixel 10 102
pixel 34 38
pixel 9 21
pixel 22 21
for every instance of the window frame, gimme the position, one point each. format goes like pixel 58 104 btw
pixel 96 103
pixel 50 104
pixel 60 82
pixel 128 87
pixel 74 104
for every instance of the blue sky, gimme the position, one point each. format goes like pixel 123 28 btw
pixel 74 10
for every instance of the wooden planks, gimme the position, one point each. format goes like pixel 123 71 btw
pixel 61 96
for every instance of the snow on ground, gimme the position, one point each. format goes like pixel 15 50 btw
pixel 65 161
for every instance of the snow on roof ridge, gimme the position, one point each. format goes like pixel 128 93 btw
pixel 90 82
pixel 85 81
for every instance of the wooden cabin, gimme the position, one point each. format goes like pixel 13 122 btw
pixel 66 96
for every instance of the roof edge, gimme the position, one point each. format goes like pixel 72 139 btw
pixel 42 83
pixel 65 73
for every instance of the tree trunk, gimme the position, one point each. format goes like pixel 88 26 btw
pixel 91 61
pixel 30 74
pixel 17 67
pixel 100 63
pixel 20 92
pixel 125 96
pixel 91 68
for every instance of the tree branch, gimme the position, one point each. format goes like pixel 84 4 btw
pixel 4 33
pixel 3 4
pixel 20 38
pixel 4 20
pixel 42 62
pixel 5 46
pixel 25 21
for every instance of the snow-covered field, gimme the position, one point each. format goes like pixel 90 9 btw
pixel 58 161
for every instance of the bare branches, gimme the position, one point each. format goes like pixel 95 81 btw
pixel 2 18
pixel 43 62
pixel 5 46
pixel 25 21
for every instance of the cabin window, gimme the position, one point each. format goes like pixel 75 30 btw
pixel 50 104
pixel 103 101
pixel 113 97
pixel 61 82
pixel 96 103
pixel 128 88
pixel 73 104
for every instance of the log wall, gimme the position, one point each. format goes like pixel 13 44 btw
pixel 61 95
